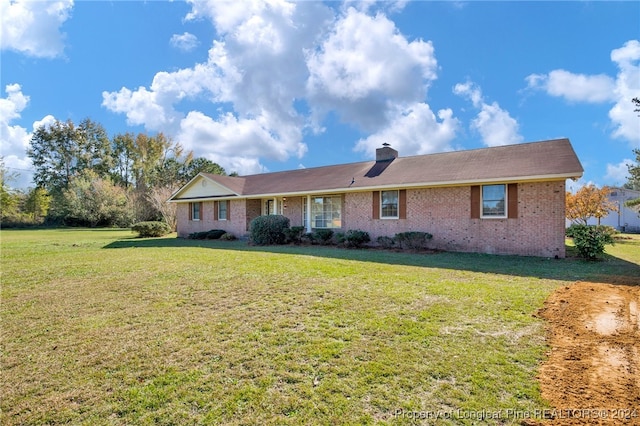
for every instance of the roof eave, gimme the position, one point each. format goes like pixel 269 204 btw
pixel 514 179
pixel 182 189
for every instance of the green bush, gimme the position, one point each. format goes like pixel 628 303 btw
pixel 590 240
pixel 270 229
pixel 215 234
pixel 228 237
pixel 356 238
pixel 198 235
pixel 413 240
pixel 385 242
pixel 322 236
pixel 294 234
pixel 212 234
pixel 151 229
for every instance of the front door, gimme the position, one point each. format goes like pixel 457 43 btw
pixel 270 207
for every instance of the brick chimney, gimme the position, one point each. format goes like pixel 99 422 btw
pixel 386 153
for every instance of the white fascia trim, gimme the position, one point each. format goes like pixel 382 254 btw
pixel 172 199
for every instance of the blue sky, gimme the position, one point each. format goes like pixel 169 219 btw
pixel 268 86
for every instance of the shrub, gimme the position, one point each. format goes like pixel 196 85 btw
pixel 228 237
pixel 270 229
pixel 151 229
pixel 356 238
pixel 213 234
pixel 385 242
pixel 413 240
pixel 294 234
pixel 322 236
pixel 590 240
pixel 198 235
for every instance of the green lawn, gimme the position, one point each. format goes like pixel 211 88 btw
pixel 101 328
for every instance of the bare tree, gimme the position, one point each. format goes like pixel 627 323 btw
pixel 158 197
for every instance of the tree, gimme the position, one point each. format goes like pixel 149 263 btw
pixel 9 199
pixel 589 202
pixel 37 204
pixel 636 103
pixel 123 154
pixel 158 198
pixel 150 153
pixel 95 148
pixel 633 182
pixel 94 201
pixel 62 150
pixel 201 165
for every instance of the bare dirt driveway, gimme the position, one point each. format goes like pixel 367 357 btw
pixel 592 375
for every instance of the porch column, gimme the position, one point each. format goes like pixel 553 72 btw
pixel 275 205
pixel 309 230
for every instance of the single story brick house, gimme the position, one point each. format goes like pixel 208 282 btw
pixel 505 200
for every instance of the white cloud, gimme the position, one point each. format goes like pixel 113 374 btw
pixel 14 139
pixel 369 6
pixel 625 120
pixel 365 67
pixel 495 125
pixel 413 131
pixel 602 88
pixel 574 87
pixel 617 174
pixel 271 56
pixel 33 27
pixel 228 133
pixel 185 41
pixel 256 68
pixel 142 107
pixel 13 104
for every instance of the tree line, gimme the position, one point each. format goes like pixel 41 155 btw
pixel 84 178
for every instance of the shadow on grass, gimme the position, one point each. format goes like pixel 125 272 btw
pixel 609 269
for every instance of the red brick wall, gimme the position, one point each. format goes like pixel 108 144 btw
pixel 293 210
pixel 254 209
pixel 446 213
pixel 443 212
pixel 236 224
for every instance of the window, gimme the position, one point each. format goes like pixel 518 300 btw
pixel 389 204
pixel 195 210
pixel 494 199
pixel 222 210
pixel 326 212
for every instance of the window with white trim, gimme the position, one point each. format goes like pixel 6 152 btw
pixel 195 211
pixel 389 204
pixel 494 201
pixel 222 210
pixel 326 212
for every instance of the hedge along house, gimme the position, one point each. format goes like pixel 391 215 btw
pixel 505 200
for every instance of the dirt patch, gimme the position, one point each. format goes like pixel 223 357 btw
pixel 592 375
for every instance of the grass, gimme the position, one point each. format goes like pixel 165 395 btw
pixel 101 328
